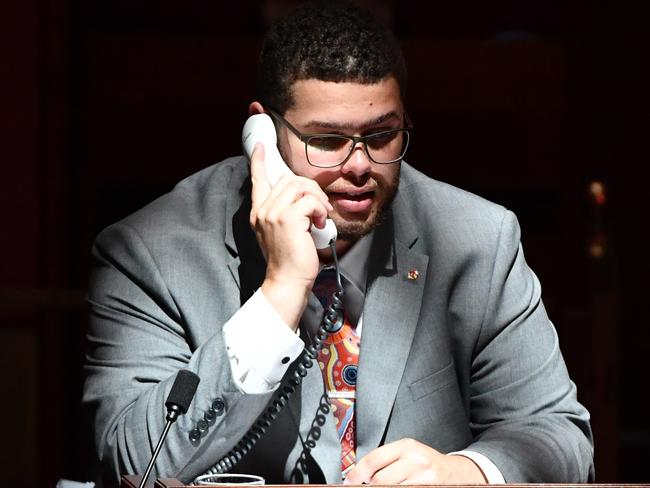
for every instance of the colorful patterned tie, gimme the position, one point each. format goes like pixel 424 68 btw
pixel 338 361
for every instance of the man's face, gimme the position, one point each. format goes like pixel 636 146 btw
pixel 359 189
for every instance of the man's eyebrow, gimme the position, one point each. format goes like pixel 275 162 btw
pixel 349 126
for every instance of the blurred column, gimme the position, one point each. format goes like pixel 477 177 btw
pixel 602 284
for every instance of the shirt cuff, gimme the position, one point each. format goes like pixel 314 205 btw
pixel 261 346
pixel 490 471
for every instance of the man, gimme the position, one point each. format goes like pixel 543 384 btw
pixel 460 378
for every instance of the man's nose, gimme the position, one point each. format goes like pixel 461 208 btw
pixel 358 163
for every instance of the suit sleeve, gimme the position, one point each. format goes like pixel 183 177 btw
pixel 137 341
pixel 524 409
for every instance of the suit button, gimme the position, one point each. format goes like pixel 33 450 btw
pixel 218 405
pixel 195 435
pixel 202 425
pixel 210 415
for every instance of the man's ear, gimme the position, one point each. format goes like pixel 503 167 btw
pixel 255 108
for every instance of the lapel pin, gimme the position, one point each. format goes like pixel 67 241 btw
pixel 413 274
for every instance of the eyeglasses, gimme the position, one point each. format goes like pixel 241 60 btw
pixel 330 150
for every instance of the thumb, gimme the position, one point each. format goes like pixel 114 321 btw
pixel 261 186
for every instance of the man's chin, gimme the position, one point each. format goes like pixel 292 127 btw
pixel 352 226
pixel 353 230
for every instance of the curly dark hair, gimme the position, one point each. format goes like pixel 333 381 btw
pixel 329 41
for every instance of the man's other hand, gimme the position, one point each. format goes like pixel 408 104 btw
pixel 410 462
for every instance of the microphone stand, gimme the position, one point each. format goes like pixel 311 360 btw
pixel 146 474
pixel 178 401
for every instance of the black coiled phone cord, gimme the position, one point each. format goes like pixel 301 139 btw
pixel 332 321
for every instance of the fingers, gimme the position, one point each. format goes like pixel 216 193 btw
pixel 297 216
pixel 393 474
pixel 373 462
pixel 291 198
pixel 400 462
pixel 410 462
pixel 289 189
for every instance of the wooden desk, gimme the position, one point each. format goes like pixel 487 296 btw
pixel 132 481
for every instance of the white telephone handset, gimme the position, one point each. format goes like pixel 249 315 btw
pixel 260 128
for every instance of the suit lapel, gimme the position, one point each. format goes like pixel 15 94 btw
pixel 234 210
pixel 246 262
pixel 391 312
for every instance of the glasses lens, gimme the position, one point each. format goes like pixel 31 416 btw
pixel 328 150
pixel 388 146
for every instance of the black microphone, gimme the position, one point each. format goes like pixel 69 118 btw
pixel 178 401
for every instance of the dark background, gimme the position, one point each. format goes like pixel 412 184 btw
pixel 106 104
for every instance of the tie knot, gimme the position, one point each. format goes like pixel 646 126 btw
pixel 325 286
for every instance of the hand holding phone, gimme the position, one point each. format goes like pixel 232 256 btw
pixel 260 128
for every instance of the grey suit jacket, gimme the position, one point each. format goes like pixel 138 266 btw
pixel 463 357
